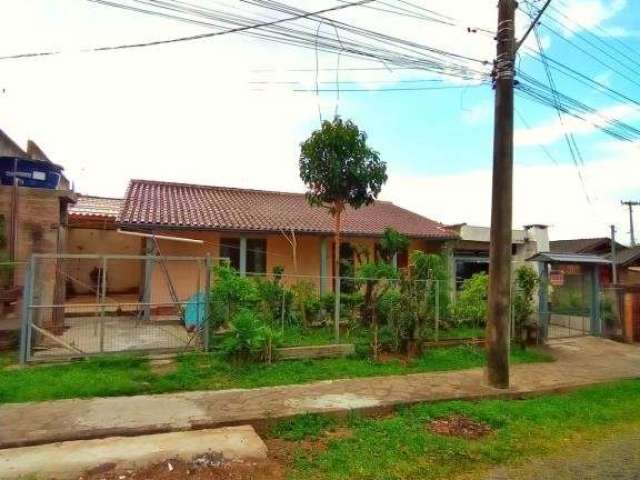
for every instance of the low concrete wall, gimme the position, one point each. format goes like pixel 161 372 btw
pixel 574 322
pixel 315 351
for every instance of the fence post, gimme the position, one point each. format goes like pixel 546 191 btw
pixel 25 333
pixel 437 313
pixel 207 294
pixel 282 313
pixel 103 294
pixel 336 313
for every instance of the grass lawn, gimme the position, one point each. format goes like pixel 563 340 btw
pixel 463 332
pixel 402 446
pixel 109 376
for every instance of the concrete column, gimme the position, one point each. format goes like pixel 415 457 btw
pixel 543 300
pixel 149 250
pixel 596 317
pixel 243 256
pixel 324 265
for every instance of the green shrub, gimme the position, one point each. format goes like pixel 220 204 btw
pixel 525 284
pixel 230 294
pixel 273 299
pixel 306 302
pixel 471 305
pixel 246 337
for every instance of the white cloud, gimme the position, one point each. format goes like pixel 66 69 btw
pixel 478 114
pixel 592 13
pixel 542 194
pixel 554 130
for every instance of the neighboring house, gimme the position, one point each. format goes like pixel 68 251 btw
pixel 259 230
pixel 627 258
pixel 628 264
pixel 471 250
pixel 33 220
pixel 595 246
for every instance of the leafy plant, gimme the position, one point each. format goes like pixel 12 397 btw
pixel 392 243
pixel 525 284
pixel 248 337
pixel 339 169
pixel 471 304
pixel 274 300
pixel 375 277
pixel 230 294
pixel 392 315
pixel 306 302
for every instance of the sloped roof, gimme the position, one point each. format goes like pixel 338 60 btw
pixel 580 258
pixel 578 245
pixel 152 204
pixel 96 207
pixel 628 255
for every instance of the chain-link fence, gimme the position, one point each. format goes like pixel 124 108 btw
pixel 80 305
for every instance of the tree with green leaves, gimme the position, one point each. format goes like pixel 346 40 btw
pixel 392 243
pixel 339 169
pixel 377 278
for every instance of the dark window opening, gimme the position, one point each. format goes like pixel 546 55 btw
pixel 403 258
pixel 257 255
pixel 230 248
pixel 466 270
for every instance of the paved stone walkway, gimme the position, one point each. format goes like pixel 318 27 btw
pixel 579 362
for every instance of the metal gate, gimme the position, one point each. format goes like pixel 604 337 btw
pixel 82 305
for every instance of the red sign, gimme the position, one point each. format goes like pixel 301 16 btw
pixel 556 277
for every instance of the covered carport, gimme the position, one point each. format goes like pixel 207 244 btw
pixel 569 294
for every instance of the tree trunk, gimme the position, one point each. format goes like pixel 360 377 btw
pixel 339 206
pixel 376 348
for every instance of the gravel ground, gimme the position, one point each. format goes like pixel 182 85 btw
pixel 615 458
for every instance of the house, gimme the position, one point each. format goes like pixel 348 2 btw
pixel 595 246
pixel 627 259
pixel 258 230
pixel 33 219
pixel 471 249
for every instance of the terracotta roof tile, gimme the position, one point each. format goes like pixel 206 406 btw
pixel 151 204
pixel 96 207
pixel 579 245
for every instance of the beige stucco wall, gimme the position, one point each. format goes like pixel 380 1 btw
pixel 122 275
pixel 188 276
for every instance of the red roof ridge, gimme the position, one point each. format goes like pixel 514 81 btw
pixel 224 188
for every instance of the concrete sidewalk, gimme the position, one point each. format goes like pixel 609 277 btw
pixel 580 362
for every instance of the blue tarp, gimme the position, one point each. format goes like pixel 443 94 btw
pixel 195 310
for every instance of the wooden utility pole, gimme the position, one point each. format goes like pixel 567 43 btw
pixel 499 306
pixel 614 265
pixel 631 204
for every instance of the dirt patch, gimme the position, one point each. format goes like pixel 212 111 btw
pixel 163 366
pixel 200 468
pixel 460 426
pixel 402 358
pixel 284 451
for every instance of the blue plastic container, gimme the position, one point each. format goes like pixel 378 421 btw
pixel 30 173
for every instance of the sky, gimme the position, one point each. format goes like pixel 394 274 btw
pixel 211 111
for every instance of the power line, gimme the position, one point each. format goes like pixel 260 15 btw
pixel 190 37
